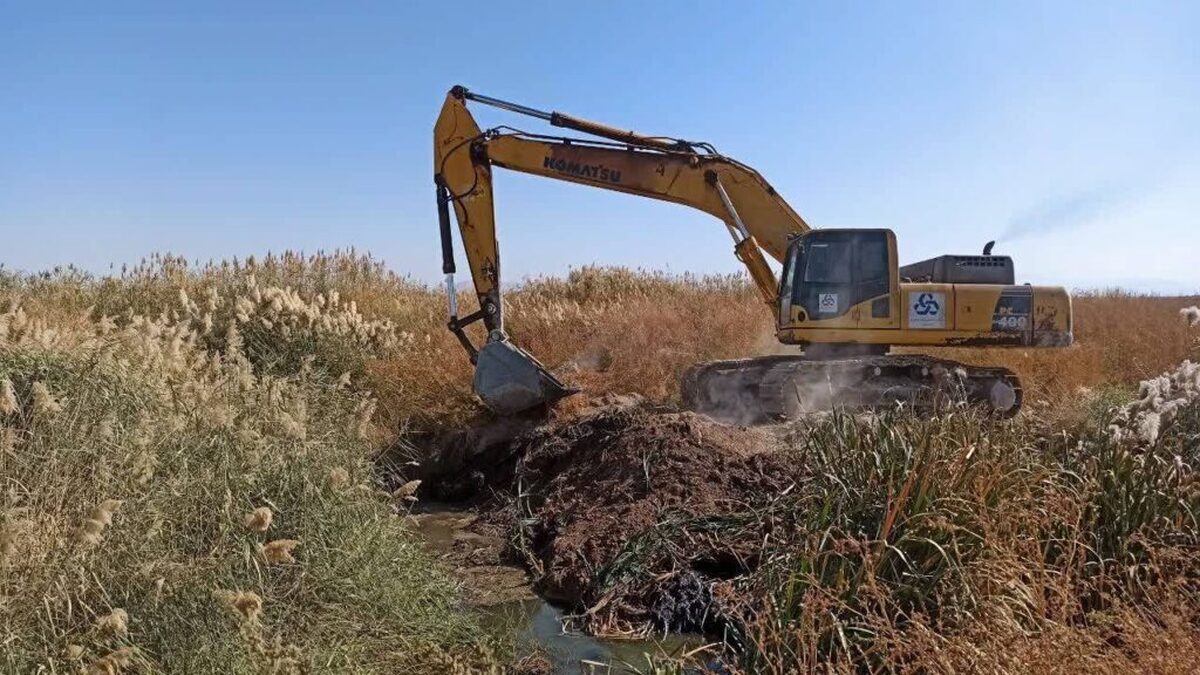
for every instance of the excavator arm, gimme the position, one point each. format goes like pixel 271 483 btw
pixel 666 169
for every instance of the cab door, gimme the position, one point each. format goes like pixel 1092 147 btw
pixel 823 287
pixel 876 285
pixel 842 279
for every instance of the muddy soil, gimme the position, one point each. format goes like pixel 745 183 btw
pixel 613 511
pixel 596 483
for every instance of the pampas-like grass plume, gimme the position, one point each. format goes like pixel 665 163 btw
pixel 143 467
pixel 364 411
pixel 279 551
pixel 8 398
pixel 339 477
pixel 1191 315
pixel 105 510
pixel 291 427
pixel 259 520
pixel 44 402
pixel 93 526
pixel 408 491
pixel 1158 403
pixel 1149 427
pixel 247 604
pixel 115 623
pixel 113 663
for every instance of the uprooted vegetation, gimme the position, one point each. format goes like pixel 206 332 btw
pixel 188 484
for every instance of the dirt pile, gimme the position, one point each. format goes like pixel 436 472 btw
pixel 627 512
pixel 612 507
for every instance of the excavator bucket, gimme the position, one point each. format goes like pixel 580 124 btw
pixel 509 380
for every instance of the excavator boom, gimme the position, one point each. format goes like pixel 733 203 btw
pixel 507 378
pixel 668 170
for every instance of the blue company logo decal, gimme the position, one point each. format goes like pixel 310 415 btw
pixel 926 305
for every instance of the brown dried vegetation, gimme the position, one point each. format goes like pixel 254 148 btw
pixel 195 394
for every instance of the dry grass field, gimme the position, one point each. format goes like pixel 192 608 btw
pixel 186 479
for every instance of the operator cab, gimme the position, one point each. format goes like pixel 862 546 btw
pixel 829 272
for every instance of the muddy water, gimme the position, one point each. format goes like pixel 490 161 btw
pixel 437 524
pixel 507 604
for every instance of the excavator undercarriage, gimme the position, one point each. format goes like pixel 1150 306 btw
pixel 786 387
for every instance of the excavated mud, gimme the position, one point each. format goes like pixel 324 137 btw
pixel 611 510
pixel 596 481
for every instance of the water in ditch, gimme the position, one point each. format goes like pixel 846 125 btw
pixel 513 609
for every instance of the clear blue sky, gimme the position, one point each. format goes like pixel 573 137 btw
pixel 235 128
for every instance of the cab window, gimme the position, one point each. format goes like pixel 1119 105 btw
pixel 873 259
pixel 832 271
pixel 829 263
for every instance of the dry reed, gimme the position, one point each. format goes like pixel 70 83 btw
pixel 193 393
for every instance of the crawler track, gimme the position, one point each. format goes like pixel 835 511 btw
pixel 772 388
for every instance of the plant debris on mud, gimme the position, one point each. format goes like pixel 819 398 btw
pixel 581 494
pixel 588 485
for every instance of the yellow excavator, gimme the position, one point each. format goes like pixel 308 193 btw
pixel 843 296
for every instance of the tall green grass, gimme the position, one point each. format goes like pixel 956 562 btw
pixel 908 532
pixel 132 450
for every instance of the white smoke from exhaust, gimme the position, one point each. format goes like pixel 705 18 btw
pixel 1065 212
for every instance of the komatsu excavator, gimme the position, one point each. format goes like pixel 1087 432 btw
pixel 843 296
